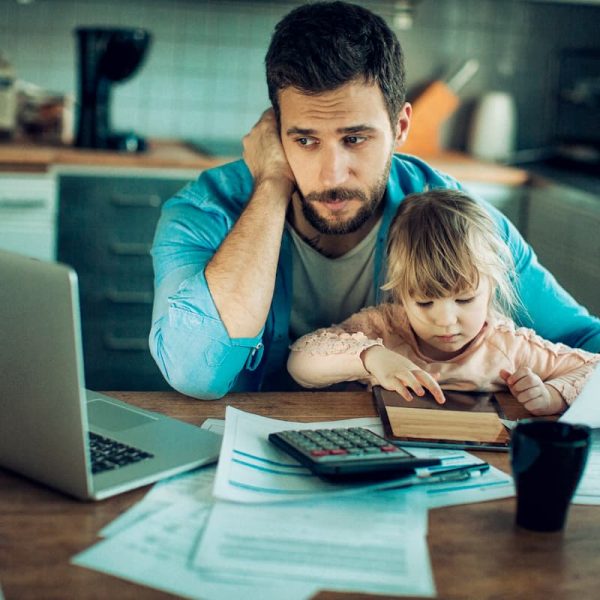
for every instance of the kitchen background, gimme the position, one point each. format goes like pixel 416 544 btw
pixel 202 80
pixel 203 75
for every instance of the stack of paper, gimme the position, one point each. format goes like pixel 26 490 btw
pixel 268 528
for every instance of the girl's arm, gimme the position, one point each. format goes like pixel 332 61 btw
pixel 333 354
pixel 547 377
pixel 536 396
pixel 354 350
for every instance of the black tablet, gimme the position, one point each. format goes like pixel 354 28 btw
pixel 468 420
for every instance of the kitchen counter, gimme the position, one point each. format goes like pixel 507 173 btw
pixel 163 154
pixel 466 168
pixel 31 157
pixel 585 180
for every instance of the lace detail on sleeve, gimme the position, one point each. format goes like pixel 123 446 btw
pixel 568 368
pixel 571 384
pixel 326 341
pixel 557 349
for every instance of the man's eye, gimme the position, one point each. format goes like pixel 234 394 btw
pixel 354 140
pixel 306 141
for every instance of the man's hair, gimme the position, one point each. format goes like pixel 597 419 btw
pixel 319 47
pixel 442 242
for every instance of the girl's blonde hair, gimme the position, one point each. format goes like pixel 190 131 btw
pixel 442 242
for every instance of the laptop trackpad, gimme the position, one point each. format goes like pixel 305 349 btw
pixel 112 417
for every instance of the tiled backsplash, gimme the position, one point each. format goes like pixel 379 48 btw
pixel 204 76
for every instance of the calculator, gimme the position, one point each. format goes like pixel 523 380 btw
pixel 348 452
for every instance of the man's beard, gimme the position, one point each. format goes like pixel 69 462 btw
pixel 370 202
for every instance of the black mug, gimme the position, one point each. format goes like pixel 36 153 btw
pixel 547 459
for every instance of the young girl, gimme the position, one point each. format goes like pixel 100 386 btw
pixel 448 325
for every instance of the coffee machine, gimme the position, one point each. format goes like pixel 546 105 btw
pixel 107 55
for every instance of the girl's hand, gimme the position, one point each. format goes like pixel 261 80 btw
pixel 398 374
pixel 537 397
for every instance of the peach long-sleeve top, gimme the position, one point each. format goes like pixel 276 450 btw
pixel 331 355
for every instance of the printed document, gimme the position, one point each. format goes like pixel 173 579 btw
pixel 586 411
pixel 251 469
pixel 586 408
pixel 156 543
pixel 588 490
pixel 158 552
pixel 373 542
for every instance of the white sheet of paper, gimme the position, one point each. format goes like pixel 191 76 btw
pixel 158 553
pixel 251 469
pixel 586 411
pixel 214 425
pixel 372 542
pixel 193 485
pixel 137 513
pixel 588 490
pixel 586 408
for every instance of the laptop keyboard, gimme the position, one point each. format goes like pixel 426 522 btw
pixel 109 454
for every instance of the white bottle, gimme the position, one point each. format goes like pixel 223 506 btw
pixel 493 128
pixel 8 99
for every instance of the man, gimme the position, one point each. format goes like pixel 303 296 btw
pixel 260 251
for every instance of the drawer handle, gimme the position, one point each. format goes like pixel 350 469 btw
pixel 113 342
pixel 22 203
pixel 130 248
pixel 125 200
pixel 129 297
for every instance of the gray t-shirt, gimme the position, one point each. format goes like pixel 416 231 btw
pixel 329 290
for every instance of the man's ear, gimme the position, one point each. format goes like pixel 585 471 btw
pixel 403 124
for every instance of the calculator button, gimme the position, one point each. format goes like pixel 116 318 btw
pixel 319 452
pixel 338 451
pixel 388 448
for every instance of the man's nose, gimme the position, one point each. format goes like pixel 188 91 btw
pixel 334 167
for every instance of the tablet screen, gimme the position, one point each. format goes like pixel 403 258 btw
pixel 470 419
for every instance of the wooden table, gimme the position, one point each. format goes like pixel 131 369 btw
pixel 476 550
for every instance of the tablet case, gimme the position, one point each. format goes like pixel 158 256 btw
pixel 468 420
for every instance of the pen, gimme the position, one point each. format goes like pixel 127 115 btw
pixel 459 473
pixel 477 468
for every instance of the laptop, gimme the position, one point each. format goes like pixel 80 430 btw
pixel 52 429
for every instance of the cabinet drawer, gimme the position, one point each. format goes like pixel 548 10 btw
pixel 118 307
pixel 127 206
pixel 117 356
pixel 125 288
pixel 106 224
pixel 28 215
pixel 106 228
pixel 105 261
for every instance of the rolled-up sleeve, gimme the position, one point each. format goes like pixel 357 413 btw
pixel 190 343
pixel 188 339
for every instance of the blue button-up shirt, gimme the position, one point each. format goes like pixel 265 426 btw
pixel 188 339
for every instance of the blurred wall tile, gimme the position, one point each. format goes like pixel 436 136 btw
pixel 204 74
